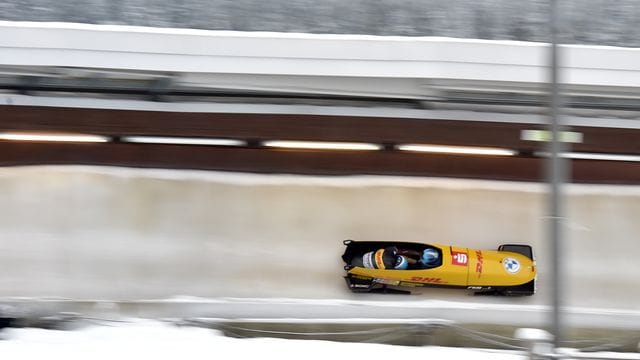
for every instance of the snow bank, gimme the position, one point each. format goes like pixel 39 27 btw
pixel 158 340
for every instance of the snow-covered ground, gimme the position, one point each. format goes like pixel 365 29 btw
pixel 152 339
pixel 143 339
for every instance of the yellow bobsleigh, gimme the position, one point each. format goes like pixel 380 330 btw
pixel 509 270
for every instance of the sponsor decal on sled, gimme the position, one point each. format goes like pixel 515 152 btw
pixel 479 263
pixel 459 258
pixel 430 280
pixel 386 281
pixel 511 265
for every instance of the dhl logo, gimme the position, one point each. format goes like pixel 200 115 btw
pixel 479 263
pixel 430 280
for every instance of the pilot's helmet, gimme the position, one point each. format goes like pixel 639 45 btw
pixel 401 263
pixel 430 257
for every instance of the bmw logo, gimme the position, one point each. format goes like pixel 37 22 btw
pixel 511 265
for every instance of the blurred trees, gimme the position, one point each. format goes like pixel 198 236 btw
pixel 601 22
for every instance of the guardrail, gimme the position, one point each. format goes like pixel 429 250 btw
pixel 287 54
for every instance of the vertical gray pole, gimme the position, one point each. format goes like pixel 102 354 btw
pixel 556 178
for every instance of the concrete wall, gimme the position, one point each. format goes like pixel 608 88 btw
pixel 600 22
pixel 127 234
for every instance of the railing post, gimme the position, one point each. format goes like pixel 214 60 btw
pixel 537 342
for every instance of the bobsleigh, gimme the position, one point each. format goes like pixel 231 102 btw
pixel 510 270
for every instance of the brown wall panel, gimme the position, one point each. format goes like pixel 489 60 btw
pixel 264 126
pixel 271 160
pixel 305 127
pixel 310 162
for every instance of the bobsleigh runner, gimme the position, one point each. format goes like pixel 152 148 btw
pixel 389 266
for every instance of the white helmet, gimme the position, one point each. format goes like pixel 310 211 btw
pixel 430 257
pixel 401 263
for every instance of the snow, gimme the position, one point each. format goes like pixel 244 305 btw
pixel 161 340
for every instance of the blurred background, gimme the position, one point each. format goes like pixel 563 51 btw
pixel 206 159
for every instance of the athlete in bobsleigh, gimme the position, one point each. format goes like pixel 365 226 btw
pixel 393 258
